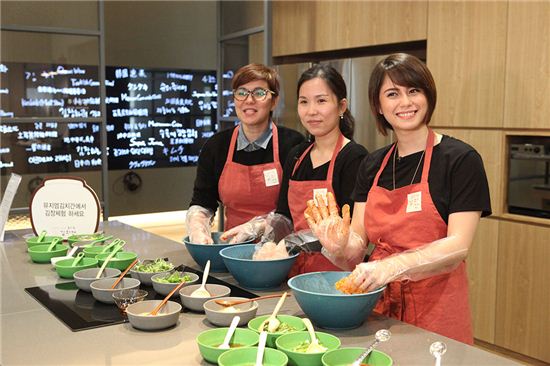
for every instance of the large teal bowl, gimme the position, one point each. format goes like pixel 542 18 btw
pixel 203 253
pixel 326 306
pixel 256 274
pixel 346 356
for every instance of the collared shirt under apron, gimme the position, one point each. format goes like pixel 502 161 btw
pixel 249 191
pixel 406 218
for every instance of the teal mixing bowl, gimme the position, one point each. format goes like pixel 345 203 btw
pixel 203 253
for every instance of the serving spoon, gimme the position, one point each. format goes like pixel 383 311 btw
pixel 202 291
pixel 77 259
pixel 261 348
pixel 272 322
pixel 108 259
pixel 228 303
pixel 53 244
pixel 314 346
pixel 230 331
pixel 381 336
pixel 438 349
pixel 41 236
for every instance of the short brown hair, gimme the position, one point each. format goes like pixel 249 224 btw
pixel 403 70
pixel 253 72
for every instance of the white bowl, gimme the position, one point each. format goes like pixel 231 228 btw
pixel 216 315
pixel 196 303
pixel 167 316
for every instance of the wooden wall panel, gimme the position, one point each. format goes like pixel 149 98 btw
pixel 466 54
pixel 523 296
pixel 311 26
pixel 482 275
pixel 490 145
pixel 527 102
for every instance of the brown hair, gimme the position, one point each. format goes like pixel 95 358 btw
pixel 403 70
pixel 253 72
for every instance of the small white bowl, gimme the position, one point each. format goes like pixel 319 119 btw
pixel 216 315
pixel 167 316
pixel 196 303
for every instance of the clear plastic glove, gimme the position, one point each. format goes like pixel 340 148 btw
pixel 197 224
pixel 270 227
pixel 439 257
pixel 340 245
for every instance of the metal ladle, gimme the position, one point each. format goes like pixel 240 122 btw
pixel 381 336
pixel 438 349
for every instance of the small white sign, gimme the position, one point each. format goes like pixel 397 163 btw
pixel 414 202
pixel 271 178
pixel 7 200
pixel 64 206
pixel 323 193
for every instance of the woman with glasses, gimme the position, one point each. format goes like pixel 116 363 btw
pixel 242 167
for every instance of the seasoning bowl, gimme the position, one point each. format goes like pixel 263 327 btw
pixel 203 253
pixel 85 277
pixel 247 356
pixel 256 274
pixel 166 317
pixel 288 343
pixel 102 291
pixel 65 269
pixel 124 298
pixel 40 254
pixel 165 288
pixel 293 321
pixel 196 303
pixel 346 356
pixel 218 314
pixel 209 340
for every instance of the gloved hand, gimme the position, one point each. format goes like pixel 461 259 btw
pixel 197 224
pixel 250 230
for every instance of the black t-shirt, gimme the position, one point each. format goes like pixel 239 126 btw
pixel 346 167
pixel 214 154
pixel 456 178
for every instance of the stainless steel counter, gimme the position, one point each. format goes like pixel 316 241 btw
pixel 31 335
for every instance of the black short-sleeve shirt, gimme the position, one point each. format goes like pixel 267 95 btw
pixel 214 154
pixel 456 178
pixel 346 167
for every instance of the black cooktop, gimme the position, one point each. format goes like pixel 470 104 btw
pixel 78 309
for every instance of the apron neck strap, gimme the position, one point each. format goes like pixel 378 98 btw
pixel 428 156
pixel 335 152
pixel 235 135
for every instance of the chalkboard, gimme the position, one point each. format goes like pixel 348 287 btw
pixel 155 118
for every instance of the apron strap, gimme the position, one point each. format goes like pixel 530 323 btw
pixel 428 156
pixel 335 152
pixel 383 165
pixel 232 144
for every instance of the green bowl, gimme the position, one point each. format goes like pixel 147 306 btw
pixel 293 321
pixel 121 260
pixel 247 356
pixel 209 340
pixel 91 252
pixel 65 270
pixel 31 242
pixel 86 238
pixel 346 356
pixel 288 343
pixel 39 253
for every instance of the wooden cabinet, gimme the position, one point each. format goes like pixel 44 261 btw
pixel 312 26
pixel 466 54
pixel 523 301
pixel 527 101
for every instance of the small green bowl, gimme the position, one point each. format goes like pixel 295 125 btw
pixel 86 238
pixel 39 253
pixel 291 320
pixel 247 356
pixel 209 340
pixel 91 252
pixel 65 270
pixel 288 343
pixel 31 242
pixel 346 356
pixel 121 260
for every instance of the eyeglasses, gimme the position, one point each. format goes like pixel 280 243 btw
pixel 258 93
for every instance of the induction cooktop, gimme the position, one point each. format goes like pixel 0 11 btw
pixel 78 309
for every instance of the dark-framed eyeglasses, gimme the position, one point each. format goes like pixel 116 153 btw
pixel 258 93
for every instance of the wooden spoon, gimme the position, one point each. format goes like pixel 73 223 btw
pixel 124 273
pixel 228 303
pixel 163 302
pixel 202 291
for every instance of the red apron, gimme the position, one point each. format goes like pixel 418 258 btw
pixel 439 303
pixel 249 191
pixel 298 194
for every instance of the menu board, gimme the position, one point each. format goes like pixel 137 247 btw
pixel 155 118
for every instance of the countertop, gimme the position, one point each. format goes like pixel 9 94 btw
pixel 31 335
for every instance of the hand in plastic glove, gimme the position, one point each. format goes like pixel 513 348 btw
pixel 248 231
pixel 370 276
pixel 197 224
pixel 200 237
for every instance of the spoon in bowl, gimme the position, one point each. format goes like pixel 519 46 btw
pixel 165 300
pixel 230 331
pixel 314 346
pixel 261 349
pixel 77 259
pixel 124 273
pixel 381 336
pixel 53 244
pixel 41 236
pixel 272 322
pixel 108 259
pixel 438 349
pixel 228 303
pixel 202 291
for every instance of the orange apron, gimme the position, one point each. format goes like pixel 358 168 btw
pixel 439 303
pixel 249 191
pixel 298 194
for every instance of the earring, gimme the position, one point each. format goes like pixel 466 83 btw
pixel 341 116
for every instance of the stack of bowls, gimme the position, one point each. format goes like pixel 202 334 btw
pixel 256 274
pixel 293 321
pixel 203 253
pixel 320 300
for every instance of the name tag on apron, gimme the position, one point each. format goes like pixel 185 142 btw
pixel 271 178
pixel 322 192
pixel 414 202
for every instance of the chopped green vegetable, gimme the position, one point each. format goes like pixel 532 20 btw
pixel 175 277
pixel 159 265
pixel 283 328
pixel 303 347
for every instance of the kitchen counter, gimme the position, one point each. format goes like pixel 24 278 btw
pixel 31 335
